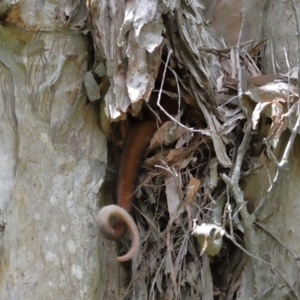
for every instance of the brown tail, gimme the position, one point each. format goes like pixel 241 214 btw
pixel 133 152
pixel 109 232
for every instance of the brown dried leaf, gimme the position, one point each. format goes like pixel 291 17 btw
pixel 192 189
pixel 159 137
pixel 256 48
pixel 270 91
pixel 262 79
pixel 185 137
pixel 173 155
pixel 156 159
pixel 230 124
pixel 231 82
pixel 167 134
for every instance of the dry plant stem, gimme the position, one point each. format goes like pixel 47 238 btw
pixel 233 182
pixel 267 196
pixel 217 213
pixel 253 63
pixel 178 89
pixel 154 113
pixel 229 209
pixel 271 154
pixel 152 294
pixel 170 261
pixel 264 262
pixel 289 84
pixel 182 251
pixel 150 222
pixel 291 141
pixel 243 147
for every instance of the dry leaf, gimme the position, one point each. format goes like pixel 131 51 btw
pixel 219 85
pixel 230 124
pixel 173 155
pixel 156 159
pixel 185 137
pixel 159 137
pixel 192 189
pixel 169 133
pixel 173 198
pixel 279 123
pixel 256 48
pixel 262 79
pixel 213 173
pixel 256 113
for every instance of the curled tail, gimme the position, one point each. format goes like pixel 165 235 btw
pixel 109 232
pixel 133 152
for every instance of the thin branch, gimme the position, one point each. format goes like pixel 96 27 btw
pixel 271 154
pixel 264 262
pixel 243 147
pixel 289 84
pixel 276 238
pixel 191 129
pixel 267 196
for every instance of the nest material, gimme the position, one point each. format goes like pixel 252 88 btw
pixel 181 182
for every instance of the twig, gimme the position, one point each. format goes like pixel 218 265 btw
pixel 191 129
pixel 155 114
pixel 229 209
pixel 178 90
pixel 289 84
pixel 239 199
pixel 279 241
pixel 243 147
pixel 253 63
pixel 152 293
pixel 267 196
pixel 270 152
pixel 233 182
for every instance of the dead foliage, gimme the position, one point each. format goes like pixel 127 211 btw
pixel 181 182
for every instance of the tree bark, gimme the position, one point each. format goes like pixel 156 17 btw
pixel 53 155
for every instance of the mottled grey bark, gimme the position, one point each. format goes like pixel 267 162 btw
pixel 53 155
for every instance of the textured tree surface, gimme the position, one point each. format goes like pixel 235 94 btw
pixel 53 156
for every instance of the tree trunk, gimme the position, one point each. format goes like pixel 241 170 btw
pixel 53 155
